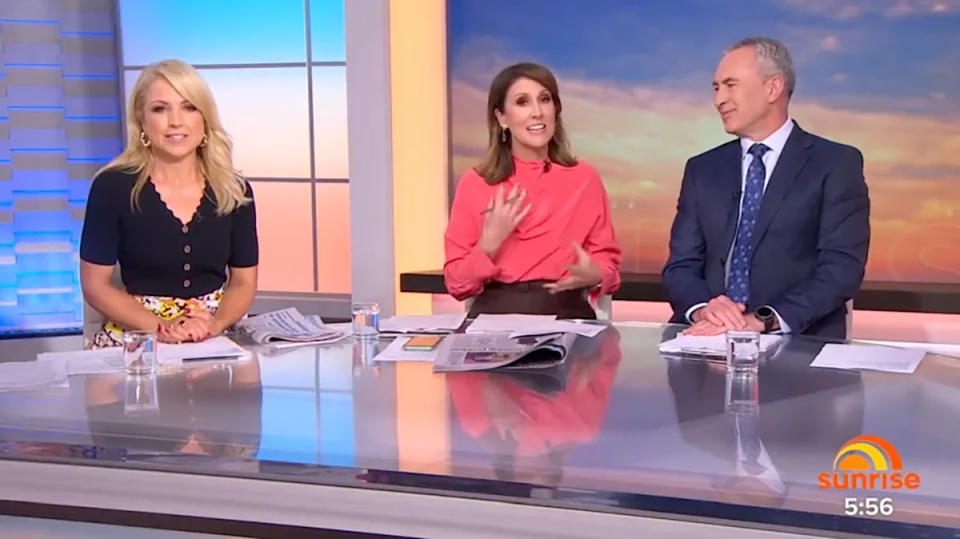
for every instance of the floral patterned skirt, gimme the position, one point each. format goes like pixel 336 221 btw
pixel 165 307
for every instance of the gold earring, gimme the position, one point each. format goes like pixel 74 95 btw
pixel 144 140
pixel 203 143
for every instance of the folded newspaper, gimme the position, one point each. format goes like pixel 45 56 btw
pixel 288 325
pixel 487 351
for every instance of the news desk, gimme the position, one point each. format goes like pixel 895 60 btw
pixel 626 443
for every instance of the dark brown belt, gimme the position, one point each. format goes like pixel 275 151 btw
pixel 519 286
pixel 530 297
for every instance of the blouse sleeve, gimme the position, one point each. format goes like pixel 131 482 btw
pixel 100 239
pixel 602 245
pixel 244 248
pixel 467 268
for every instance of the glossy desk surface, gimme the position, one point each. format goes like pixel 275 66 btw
pixel 627 431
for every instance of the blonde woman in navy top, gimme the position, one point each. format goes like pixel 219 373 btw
pixel 175 214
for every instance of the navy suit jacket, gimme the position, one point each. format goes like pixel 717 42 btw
pixel 809 245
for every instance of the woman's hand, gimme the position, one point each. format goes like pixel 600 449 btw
pixel 172 331
pixel 193 325
pixel 583 274
pixel 502 217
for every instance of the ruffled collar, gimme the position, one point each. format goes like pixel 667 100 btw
pixel 531 166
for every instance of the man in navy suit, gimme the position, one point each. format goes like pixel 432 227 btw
pixel 772 229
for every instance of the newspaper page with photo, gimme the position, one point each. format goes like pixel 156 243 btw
pixel 487 351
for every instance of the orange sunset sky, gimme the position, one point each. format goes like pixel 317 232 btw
pixel 881 76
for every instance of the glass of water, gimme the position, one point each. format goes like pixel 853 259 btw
pixel 139 351
pixel 366 319
pixel 364 350
pixel 141 395
pixel 742 395
pixel 743 352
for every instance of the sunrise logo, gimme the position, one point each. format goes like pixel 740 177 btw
pixel 868 462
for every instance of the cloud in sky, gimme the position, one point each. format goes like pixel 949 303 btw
pixel 830 43
pixel 884 57
pixel 853 9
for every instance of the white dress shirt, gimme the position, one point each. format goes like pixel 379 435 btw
pixel 775 141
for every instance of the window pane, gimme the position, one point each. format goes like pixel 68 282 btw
pixel 330 122
pixel 213 31
pixel 326 31
pixel 283 225
pixel 333 238
pixel 265 112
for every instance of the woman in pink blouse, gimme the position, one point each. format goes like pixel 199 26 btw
pixel 530 228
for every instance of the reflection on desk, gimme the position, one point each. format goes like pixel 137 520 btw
pixel 530 430
pixel 761 445
pixel 625 431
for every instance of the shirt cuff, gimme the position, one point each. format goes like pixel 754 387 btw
pixel 784 327
pixel 482 268
pixel 609 282
pixel 690 311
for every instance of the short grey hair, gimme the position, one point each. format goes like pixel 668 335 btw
pixel 773 58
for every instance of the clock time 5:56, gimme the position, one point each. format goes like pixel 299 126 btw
pixel 867 506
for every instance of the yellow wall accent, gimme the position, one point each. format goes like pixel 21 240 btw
pixel 418 88
pixel 418 59
pixel 423 419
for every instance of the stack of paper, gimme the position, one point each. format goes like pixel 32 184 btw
pixel 713 345
pixel 874 358
pixel 437 323
pixel 507 322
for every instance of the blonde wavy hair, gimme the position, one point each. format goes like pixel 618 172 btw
pixel 215 158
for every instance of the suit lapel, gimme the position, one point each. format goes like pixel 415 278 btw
pixel 796 153
pixel 730 186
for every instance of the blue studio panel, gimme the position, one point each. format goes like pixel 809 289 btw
pixel 59 122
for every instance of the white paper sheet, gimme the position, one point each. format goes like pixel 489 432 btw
pixel 211 348
pixel 864 357
pixel 25 375
pixel 507 322
pixel 560 326
pixel 709 345
pixel 107 360
pixel 417 324
pixel 94 361
pixel 343 327
pixel 395 352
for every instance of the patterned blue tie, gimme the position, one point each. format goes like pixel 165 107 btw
pixel 738 281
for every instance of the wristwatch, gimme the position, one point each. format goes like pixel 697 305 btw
pixel 769 318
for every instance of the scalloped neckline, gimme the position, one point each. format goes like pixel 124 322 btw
pixel 163 202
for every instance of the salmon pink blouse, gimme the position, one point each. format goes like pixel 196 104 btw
pixel 569 204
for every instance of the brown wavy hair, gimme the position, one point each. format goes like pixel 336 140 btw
pixel 497 164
